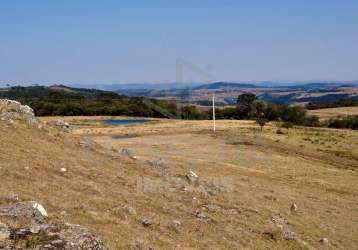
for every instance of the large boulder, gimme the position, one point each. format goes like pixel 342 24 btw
pixel 26 225
pixel 30 211
pixel 12 110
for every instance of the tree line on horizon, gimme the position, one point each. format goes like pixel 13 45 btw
pixel 64 101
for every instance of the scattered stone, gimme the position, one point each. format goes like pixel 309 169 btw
pixel 201 216
pixel 61 124
pixel 231 211
pixel 124 211
pixel 279 220
pixel 213 207
pixel 4 232
pixel 12 198
pixel 192 177
pixel 160 163
pixel 218 209
pixel 130 210
pixel 127 153
pixel 294 207
pixel 288 235
pixel 324 241
pixel 147 222
pixel 175 225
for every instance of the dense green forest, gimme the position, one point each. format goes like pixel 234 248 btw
pixel 65 101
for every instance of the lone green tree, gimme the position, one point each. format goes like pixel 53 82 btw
pixel 257 109
pixel 244 104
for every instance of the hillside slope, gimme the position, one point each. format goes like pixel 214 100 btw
pixel 136 200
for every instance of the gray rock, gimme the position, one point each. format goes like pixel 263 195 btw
pixel 294 207
pixel 13 198
pixel 129 210
pixel 218 209
pixel 61 124
pixel 160 163
pixel 288 235
pixel 201 216
pixel 123 211
pixel 175 225
pixel 127 153
pixel 147 222
pixel 279 220
pixel 192 177
pixel 4 232
pixel 324 241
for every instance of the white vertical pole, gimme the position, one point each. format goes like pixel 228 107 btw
pixel 214 112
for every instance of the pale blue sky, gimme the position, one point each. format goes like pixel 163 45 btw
pixel 85 41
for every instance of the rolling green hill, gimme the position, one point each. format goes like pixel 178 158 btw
pixel 64 101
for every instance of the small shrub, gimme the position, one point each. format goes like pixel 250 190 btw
pixel 261 122
pixel 350 122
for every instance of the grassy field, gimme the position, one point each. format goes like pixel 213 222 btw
pixel 248 181
pixel 334 112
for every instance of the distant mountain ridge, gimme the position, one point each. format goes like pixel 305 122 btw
pixel 218 85
pixel 226 92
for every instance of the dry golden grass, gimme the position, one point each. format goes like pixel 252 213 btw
pixel 248 177
pixel 334 112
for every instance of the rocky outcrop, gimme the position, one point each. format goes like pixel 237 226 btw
pixel 11 111
pixel 25 225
